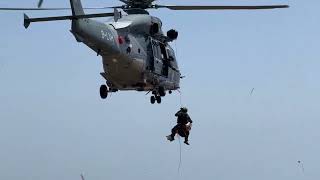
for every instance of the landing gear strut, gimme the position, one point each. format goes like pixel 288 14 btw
pixel 162 91
pixel 104 91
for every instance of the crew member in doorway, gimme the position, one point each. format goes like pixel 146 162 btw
pixel 183 126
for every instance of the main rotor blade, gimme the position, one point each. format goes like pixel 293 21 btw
pixel 28 20
pixel 221 7
pixel 49 9
pixel 40 3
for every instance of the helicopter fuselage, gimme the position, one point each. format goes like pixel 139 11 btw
pixel 134 56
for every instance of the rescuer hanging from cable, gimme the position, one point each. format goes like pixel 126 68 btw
pixel 183 126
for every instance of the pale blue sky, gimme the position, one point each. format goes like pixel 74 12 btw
pixel 53 125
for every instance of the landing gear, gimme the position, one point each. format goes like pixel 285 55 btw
pixel 152 99
pixel 158 94
pixel 104 91
pixel 158 98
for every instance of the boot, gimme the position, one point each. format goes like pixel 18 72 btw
pixel 187 143
pixel 186 140
pixel 170 138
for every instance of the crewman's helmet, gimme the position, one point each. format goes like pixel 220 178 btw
pixel 184 109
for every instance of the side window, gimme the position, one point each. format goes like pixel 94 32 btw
pixel 164 53
pixel 157 51
pixel 171 55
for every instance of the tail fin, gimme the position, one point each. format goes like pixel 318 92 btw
pixel 76 7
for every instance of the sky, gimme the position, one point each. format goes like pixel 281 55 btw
pixel 54 126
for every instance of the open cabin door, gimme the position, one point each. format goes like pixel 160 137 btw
pixel 160 59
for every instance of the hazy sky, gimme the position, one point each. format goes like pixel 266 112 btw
pixel 54 126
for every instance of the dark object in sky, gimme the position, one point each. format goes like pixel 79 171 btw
pixel 82 177
pixel 251 91
pixel 301 164
pixel 136 53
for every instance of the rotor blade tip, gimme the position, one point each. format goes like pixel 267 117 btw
pixel 26 22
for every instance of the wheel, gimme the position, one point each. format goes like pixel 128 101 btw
pixel 170 92
pixel 162 92
pixel 104 91
pixel 152 99
pixel 158 98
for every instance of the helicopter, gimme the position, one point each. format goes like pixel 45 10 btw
pixel 136 53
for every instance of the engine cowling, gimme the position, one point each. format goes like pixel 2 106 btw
pixel 154 29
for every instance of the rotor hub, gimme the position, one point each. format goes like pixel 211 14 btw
pixel 137 4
